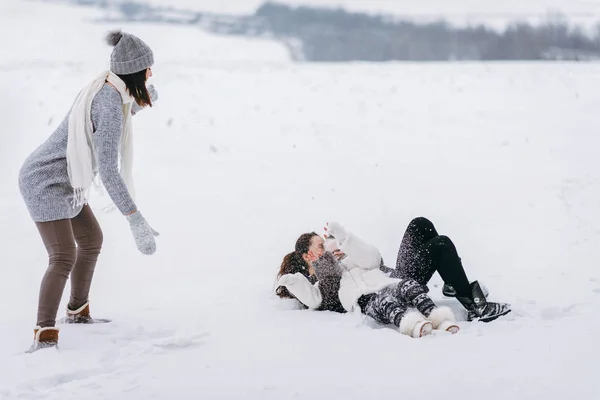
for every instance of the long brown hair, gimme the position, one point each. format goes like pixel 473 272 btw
pixel 293 262
pixel 136 86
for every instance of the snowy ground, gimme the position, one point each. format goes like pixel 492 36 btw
pixel 245 151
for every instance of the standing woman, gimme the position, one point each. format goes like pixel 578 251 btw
pixel 56 178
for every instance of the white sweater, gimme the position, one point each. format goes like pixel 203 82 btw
pixel 361 276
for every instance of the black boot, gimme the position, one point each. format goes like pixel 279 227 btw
pixel 449 291
pixel 478 308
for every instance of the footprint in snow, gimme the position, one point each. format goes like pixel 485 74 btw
pixel 182 342
pixel 141 334
pixel 60 379
pixel 558 312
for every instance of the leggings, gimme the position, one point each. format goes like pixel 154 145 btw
pixel 423 252
pixel 73 247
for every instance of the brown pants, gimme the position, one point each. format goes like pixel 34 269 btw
pixel 73 247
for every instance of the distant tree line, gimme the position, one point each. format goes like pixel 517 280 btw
pixel 338 35
pixel 335 35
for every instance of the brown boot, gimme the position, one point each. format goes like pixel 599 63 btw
pixel 82 316
pixel 79 316
pixel 44 337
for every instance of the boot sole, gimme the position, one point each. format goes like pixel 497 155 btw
pixel 426 329
pixel 41 346
pixel 453 329
pixel 450 327
pixel 493 317
pixel 91 321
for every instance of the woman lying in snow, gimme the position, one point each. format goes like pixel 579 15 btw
pixel 351 273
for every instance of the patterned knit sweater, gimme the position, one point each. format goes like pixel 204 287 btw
pixel 44 180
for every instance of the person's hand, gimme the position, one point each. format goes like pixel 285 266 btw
pixel 339 254
pixel 153 93
pixel 336 230
pixel 142 233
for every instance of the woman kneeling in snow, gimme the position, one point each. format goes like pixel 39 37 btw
pixel 351 274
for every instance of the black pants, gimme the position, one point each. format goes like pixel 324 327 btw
pixel 423 252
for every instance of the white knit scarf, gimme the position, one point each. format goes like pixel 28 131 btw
pixel 82 163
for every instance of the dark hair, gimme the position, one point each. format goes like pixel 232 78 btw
pixel 136 86
pixel 293 262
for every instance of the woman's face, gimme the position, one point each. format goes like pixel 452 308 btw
pixel 148 73
pixel 315 250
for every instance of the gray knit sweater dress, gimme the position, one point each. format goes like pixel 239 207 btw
pixel 44 180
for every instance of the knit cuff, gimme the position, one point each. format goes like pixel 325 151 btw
pixel 132 66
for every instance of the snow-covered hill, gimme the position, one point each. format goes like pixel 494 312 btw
pixel 490 12
pixel 245 151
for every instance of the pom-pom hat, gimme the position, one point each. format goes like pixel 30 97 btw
pixel 130 54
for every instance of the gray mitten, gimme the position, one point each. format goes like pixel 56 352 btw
pixel 135 107
pixel 153 93
pixel 329 275
pixel 142 233
pixel 327 266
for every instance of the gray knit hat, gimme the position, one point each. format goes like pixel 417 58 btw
pixel 130 54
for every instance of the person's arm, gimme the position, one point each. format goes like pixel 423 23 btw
pixel 366 256
pixel 359 252
pixel 107 118
pixel 329 274
pixel 301 289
